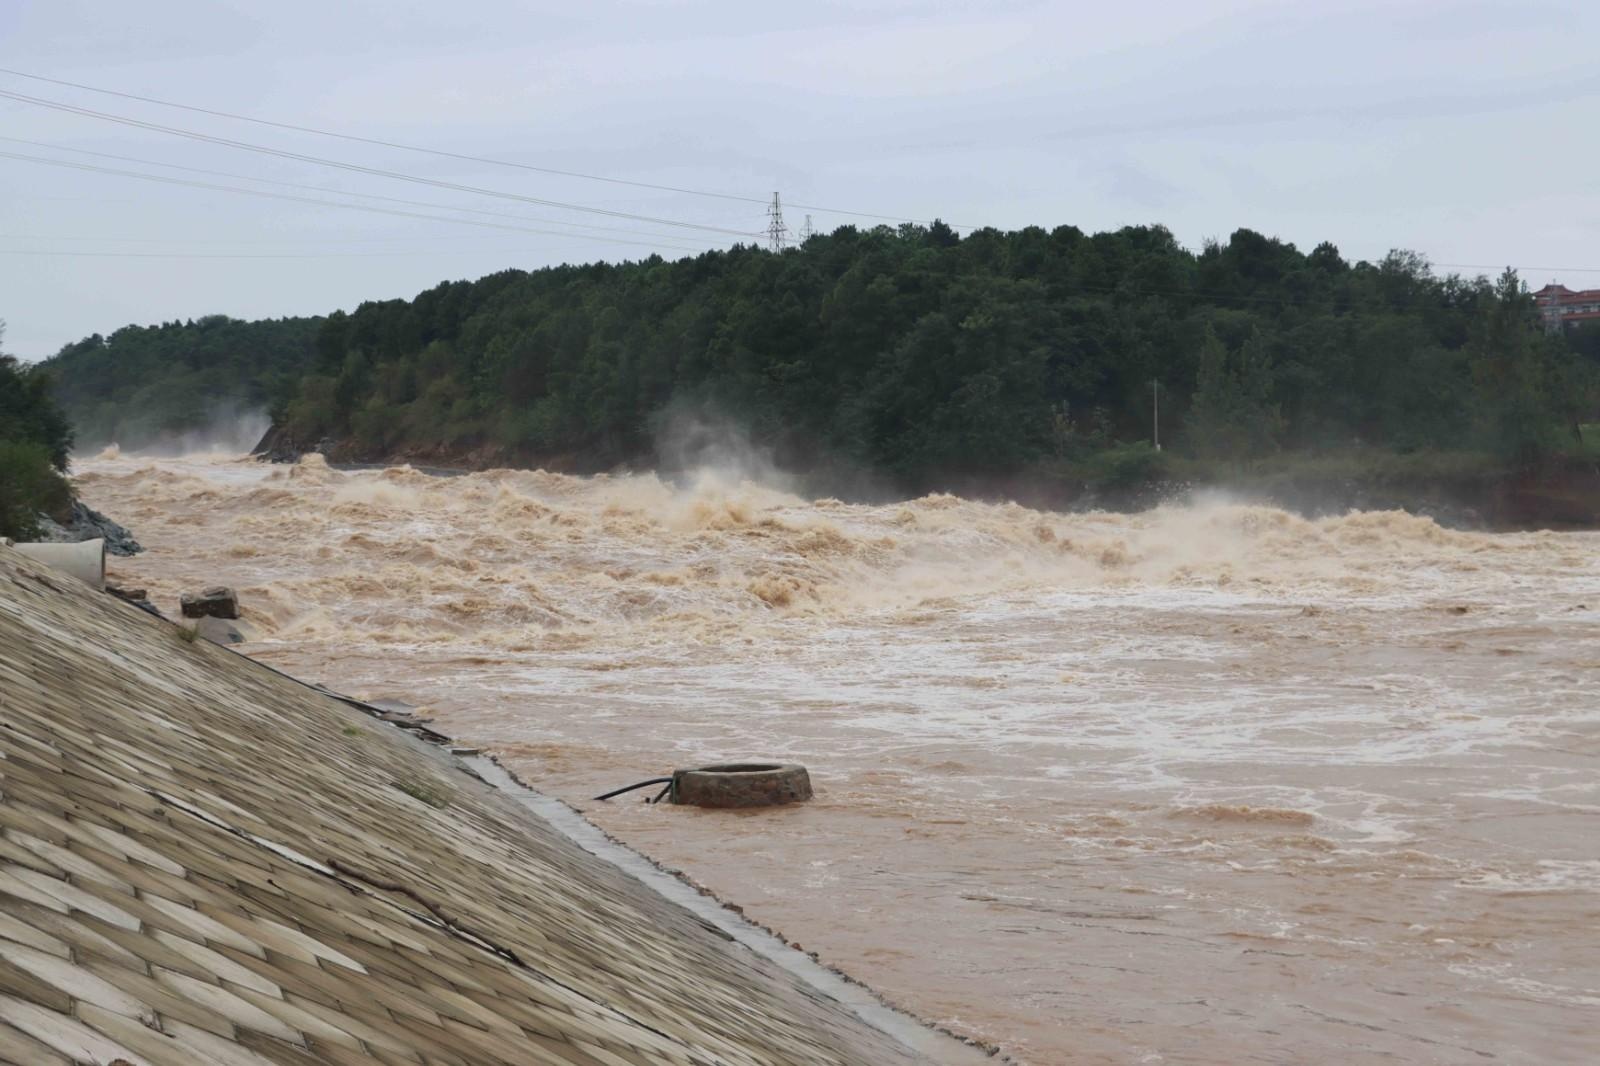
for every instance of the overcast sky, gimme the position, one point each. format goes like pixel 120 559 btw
pixel 1466 131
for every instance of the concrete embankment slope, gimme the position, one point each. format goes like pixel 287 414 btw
pixel 204 862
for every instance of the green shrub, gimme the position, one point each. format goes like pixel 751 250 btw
pixel 1126 466
pixel 29 484
pixel 422 794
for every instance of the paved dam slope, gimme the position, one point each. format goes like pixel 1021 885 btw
pixel 204 862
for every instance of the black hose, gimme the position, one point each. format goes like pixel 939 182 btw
pixel 630 788
pixel 663 793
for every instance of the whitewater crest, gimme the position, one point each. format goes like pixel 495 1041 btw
pixel 399 555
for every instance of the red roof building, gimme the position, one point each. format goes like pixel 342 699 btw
pixel 1562 307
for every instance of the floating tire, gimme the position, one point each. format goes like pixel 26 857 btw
pixel 742 784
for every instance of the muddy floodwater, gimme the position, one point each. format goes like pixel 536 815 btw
pixel 1210 784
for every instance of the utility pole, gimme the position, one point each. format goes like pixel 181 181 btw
pixel 1155 408
pixel 806 231
pixel 777 232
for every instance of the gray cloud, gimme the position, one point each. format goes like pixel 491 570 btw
pixel 1461 129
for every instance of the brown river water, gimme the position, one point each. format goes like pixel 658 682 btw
pixel 1209 784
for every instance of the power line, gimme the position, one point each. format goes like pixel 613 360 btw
pixel 317 238
pixel 357 167
pixel 1530 269
pixel 776 232
pixel 442 153
pixel 452 155
pixel 326 203
pixel 74 253
pixel 509 163
pixel 336 192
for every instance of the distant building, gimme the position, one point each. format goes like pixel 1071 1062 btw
pixel 1561 307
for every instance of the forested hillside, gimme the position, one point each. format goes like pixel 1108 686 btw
pixel 149 385
pixel 911 352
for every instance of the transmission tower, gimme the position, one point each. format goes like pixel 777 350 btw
pixel 806 231
pixel 777 232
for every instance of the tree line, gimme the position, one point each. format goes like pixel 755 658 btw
pixel 912 352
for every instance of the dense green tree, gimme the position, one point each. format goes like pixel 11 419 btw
pixel 1524 376
pixel 35 439
pixel 1233 415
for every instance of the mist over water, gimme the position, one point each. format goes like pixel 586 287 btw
pixel 227 431
pixel 703 445
pixel 1212 783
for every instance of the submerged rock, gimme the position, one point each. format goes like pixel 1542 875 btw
pixel 139 598
pixel 218 631
pixel 218 601
pixel 85 523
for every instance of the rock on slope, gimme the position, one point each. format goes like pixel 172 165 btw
pixel 86 523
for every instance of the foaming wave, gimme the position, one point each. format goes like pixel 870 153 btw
pixel 509 550
pixel 1239 812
